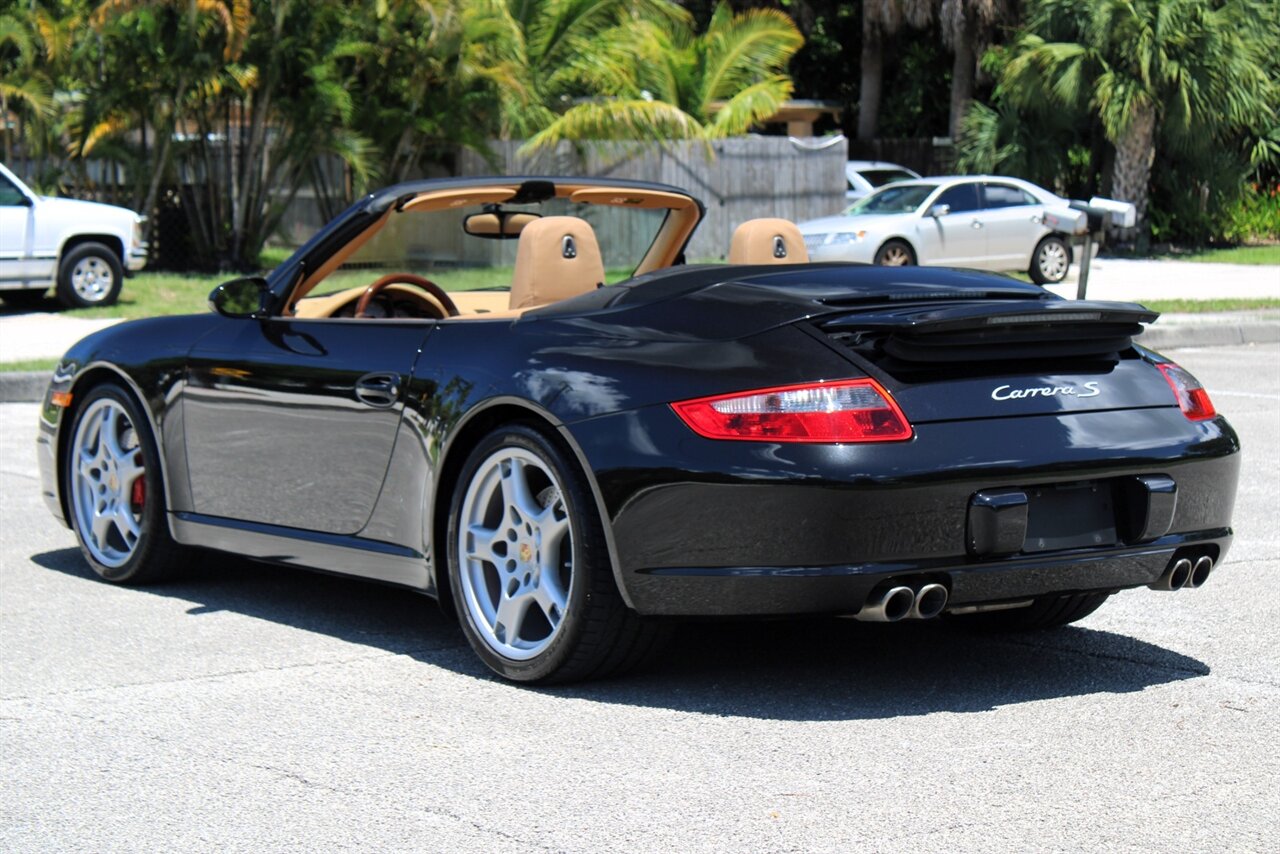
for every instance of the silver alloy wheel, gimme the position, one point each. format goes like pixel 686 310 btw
pixel 895 256
pixel 515 553
pixel 107 490
pixel 1052 260
pixel 92 278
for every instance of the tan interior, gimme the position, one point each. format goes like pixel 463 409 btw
pixel 557 258
pixel 768 241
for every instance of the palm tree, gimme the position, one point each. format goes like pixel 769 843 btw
pixel 881 19
pixel 1183 73
pixel 669 83
pixel 968 27
pixel 22 83
pixel 190 61
pixel 541 54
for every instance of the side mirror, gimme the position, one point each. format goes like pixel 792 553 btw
pixel 247 297
pixel 936 211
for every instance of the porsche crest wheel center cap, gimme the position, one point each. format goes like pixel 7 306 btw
pixel 526 552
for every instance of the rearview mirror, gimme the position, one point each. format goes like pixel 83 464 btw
pixel 498 225
pixel 936 211
pixel 245 297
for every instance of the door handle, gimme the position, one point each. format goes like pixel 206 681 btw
pixel 977 223
pixel 379 390
pixel 1037 219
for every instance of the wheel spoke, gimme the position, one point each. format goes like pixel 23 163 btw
pixel 510 616
pixel 550 598
pixel 515 489
pixel 479 544
pixel 102 524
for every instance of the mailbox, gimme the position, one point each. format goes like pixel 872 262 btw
pixel 1066 222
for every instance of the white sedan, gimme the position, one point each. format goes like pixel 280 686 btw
pixel 981 221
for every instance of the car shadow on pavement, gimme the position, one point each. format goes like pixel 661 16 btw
pixel 798 669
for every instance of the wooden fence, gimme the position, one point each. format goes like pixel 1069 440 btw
pixel 737 179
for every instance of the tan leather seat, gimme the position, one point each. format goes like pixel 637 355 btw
pixel 557 258
pixel 768 241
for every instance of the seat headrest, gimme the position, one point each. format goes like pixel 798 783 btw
pixel 768 241
pixel 557 258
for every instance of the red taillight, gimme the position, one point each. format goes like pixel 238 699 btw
pixel 1193 400
pixel 843 411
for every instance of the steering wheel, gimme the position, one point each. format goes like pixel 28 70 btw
pixel 437 292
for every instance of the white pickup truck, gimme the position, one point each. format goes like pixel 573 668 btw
pixel 83 249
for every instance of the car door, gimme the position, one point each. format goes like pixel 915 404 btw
pixel 955 239
pixel 16 229
pixel 1012 220
pixel 292 421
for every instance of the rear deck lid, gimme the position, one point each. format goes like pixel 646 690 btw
pixel 989 359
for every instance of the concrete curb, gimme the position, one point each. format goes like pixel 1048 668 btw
pixel 29 386
pixel 24 386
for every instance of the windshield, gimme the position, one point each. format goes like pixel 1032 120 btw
pixel 893 199
pixel 880 177
pixel 434 245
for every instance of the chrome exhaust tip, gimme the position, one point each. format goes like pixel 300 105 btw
pixel 1175 577
pixel 894 604
pixel 931 600
pixel 1200 572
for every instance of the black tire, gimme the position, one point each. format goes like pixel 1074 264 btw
pixel 89 274
pixel 596 635
pixel 1051 261
pixel 1046 612
pixel 895 253
pixel 24 299
pixel 154 554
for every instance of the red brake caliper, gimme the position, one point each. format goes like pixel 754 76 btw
pixel 138 498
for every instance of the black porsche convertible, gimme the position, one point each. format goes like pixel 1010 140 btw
pixel 516 396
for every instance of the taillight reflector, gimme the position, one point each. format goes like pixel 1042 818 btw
pixel 1193 400
pixel 843 411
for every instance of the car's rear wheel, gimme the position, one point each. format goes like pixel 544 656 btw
pixel 115 492
pixel 90 274
pixel 895 253
pixel 1050 261
pixel 529 568
pixel 1046 612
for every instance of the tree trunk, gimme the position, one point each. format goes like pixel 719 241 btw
pixel 872 79
pixel 1131 173
pixel 963 67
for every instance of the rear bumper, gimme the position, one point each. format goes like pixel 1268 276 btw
pixel 745 591
pixel 700 527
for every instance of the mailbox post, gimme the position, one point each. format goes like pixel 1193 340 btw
pixel 1100 214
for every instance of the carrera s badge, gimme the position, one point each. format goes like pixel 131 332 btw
pixel 1004 392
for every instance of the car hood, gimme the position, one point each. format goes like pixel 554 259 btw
pixel 870 222
pixel 93 210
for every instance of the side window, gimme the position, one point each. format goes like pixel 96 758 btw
pixel 961 197
pixel 10 195
pixel 1006 196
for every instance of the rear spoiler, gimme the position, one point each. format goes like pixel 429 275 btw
pixel 992 331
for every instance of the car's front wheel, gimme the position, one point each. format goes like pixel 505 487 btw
pixel 1050 261
pixel 895 253
pixel 90 274
pixel 115 492
pixel 529 569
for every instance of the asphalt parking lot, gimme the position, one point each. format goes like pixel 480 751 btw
pixel 245 707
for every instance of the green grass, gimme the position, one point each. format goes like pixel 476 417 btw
pixel 1198 306
pixel 1250 255
pixel 42 365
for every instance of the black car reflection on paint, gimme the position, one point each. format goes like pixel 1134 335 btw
pixel 696 440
